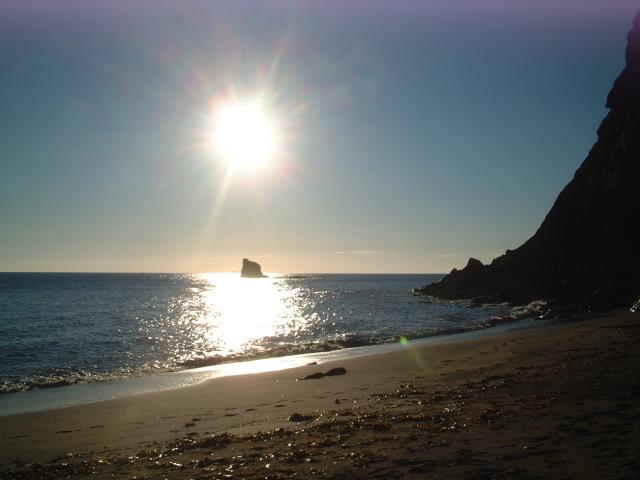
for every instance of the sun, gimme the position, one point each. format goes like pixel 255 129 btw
pixel 244 134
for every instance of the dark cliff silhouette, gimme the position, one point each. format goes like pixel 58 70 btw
pixel 587 249
pixel 251 269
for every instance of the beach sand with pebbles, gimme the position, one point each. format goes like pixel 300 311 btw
pixel 558 401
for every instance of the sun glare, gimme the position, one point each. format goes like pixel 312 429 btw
pixel 243 134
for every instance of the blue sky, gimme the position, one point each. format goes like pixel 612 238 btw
pixel 417 134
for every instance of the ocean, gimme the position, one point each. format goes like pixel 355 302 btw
pixel 59 329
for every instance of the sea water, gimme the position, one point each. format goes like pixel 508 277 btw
pixel 60 329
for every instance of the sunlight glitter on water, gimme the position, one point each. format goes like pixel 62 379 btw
pixel 238 312
pixel 63 329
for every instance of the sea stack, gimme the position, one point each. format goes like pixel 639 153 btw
pixel 587 249
pixel 251 269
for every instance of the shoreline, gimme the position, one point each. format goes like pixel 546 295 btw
pixel 553 402
pixel 53 398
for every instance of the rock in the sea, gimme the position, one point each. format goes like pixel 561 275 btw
pixel 587 250
pixel 251 269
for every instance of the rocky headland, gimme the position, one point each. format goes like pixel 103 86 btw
pixel 587 250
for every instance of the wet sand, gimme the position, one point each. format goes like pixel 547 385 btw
pixel 553 402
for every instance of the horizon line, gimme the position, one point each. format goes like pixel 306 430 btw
pixel 225 271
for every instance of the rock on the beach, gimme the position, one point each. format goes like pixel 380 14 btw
pixel 330 373
pixel 251 269
pixel 297 417
pixel 587 250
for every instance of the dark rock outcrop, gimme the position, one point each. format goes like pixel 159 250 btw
pixel 587 249
pixel 251 269
pixel 330 373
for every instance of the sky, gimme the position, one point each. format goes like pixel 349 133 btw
pixel 412 135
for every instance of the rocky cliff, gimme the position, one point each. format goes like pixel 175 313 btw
pixel 587 249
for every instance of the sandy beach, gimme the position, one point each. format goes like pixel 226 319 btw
pixel 552 402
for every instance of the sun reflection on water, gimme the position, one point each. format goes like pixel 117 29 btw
pixel 237 312
pixel 221 317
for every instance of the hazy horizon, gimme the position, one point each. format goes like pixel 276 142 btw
pixel 411 136
pixel 268 274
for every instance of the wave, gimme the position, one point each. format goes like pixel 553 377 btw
pixel 65 377
pixel 287 349
pixel 61 378
pixel 534 309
